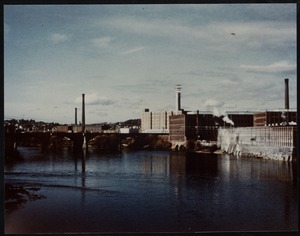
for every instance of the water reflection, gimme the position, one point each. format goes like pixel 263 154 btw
pixel 80 155
pixel 205 165
pixel 260 169
pixel 154 164
pixel 160 191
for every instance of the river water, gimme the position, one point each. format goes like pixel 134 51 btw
pixel 152 191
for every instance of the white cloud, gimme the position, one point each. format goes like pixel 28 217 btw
pixel 57 38
pixel 189 45
pixel 280 66
pixel 155 27
pixel 95 99
pixel 211 103
pixel 251 34
pixel 102 41
pixel 133 50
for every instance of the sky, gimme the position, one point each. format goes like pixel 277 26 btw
pixel 125 58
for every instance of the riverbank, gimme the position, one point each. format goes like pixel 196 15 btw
pixel 17 195
pixel 277 143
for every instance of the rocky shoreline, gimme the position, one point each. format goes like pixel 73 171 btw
pixel 17 195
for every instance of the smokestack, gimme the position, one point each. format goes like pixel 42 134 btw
pixel 83 114
pixel 178 97
pixel 287 105
pixel 75 115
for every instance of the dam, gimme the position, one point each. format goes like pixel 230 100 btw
pixel 278 143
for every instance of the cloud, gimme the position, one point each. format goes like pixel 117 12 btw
pixel 188 46
pixel 253 34
pixel 133 50
pixel 210 103
pixel 151 27
pixel 58 38
pixel 102 42
pixel 276 67
pixel 95 99
pixel 132 102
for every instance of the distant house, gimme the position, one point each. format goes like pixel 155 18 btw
pixel 93 128
pixel 62 128
pixel 129 130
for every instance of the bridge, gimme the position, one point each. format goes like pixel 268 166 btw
pixel 14 138
pixel 54 140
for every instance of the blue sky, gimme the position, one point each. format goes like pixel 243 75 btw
pixel 233 57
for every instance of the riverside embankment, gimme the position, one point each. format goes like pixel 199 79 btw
pixel 278 143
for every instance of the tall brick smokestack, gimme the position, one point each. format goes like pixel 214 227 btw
pixel 83 114
pixel 75 115
pixel 287 105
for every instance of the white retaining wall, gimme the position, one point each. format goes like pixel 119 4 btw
pixel 267 142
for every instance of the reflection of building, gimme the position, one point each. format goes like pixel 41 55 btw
pixel 193 164
pixel 275 118
pixel 177 163
pixel 156 164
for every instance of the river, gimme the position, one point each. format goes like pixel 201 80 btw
pixel 151 191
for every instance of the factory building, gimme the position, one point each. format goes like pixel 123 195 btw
pixel 183 125
pixel 275 118
pixel 177 128
pixel 155 122
pixel 146 121
pixel 158 122
pixel 204 125
pixel 240 118
pixel 282 117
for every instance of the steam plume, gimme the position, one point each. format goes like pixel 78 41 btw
pixel 218 112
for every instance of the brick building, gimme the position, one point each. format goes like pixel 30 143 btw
pixel 204 125
pixel 275 118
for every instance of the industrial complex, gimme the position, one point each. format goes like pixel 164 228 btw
pixel 270 133
pixel 184 125
pixel 235 132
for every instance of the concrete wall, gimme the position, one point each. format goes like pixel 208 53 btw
pixel 267 142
